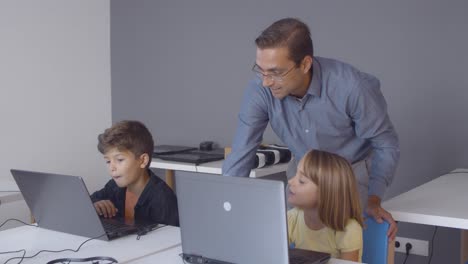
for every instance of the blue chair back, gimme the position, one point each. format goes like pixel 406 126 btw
pixel 375 242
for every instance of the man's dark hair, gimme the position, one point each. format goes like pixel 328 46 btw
pixel 127 135
pixel 291 33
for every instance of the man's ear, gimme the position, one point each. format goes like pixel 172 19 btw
pixel 144 160
pixel 306 64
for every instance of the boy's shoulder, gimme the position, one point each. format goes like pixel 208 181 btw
pixel 158 186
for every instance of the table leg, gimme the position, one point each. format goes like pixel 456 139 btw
pixel 464 246
pixel 170 178
pixel 391 253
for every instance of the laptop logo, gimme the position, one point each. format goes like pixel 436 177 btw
pixel 227 206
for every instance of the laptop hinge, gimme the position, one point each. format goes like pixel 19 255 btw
pixel 198 259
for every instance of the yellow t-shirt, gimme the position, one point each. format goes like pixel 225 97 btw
pixel 326 239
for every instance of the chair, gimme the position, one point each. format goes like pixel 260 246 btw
pixel 375 243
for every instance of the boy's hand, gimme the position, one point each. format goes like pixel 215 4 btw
pixel 105 208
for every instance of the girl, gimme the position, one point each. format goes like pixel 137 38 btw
pixel 327 214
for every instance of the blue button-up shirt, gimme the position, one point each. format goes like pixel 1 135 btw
pixel 343 112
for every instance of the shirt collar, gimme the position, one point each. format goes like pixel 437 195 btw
pixel 315 87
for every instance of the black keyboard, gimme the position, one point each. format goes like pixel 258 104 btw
pixel 298 260
pixel 112 225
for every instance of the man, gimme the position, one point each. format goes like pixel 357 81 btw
pixel 316 103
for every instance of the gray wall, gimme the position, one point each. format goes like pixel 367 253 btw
pixel 54 86
pixel 181 67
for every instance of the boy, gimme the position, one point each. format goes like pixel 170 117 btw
pixel 134 192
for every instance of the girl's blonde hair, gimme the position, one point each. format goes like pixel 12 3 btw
pixel 338 198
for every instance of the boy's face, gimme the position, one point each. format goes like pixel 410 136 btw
pixel 303 192
pixel 124 167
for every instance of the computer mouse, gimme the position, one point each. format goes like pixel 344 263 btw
pixel 206 145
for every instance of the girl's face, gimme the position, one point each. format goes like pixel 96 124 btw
pixel 303 192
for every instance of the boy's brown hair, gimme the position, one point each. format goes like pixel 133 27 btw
pixel 127 135
pixel 338 197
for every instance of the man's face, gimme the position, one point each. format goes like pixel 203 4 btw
pixel 280 74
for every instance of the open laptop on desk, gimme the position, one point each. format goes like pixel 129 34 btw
pixel 62 203
pixel 235 220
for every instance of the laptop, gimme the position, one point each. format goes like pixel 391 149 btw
pixel 194 156
pixel 235 220
pixel 62 203
pixel 170 149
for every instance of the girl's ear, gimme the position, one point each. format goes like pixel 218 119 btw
pixel 144 160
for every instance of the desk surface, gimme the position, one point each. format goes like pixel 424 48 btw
pixel 171 256
pixel 213 167
pixel 159 246
pixel 440 202
pixel 9 191
pixel 125 250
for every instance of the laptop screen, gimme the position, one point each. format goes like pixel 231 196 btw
pixel 232 219
pixel 60 203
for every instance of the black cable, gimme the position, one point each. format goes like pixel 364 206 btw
pixel 92 259
pixel 406 258
pixel 24 253
pixel 17 220
pixel 408 248
pixel 140 233
pixel 432 245
pixel 10 252
pixel 51 251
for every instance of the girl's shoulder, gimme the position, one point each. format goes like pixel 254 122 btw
pixel 353 223
pixel 352 228
pixel 294 215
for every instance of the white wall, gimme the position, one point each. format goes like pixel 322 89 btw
pixel 55 94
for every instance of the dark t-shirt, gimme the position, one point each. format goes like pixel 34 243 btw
pixel 157 202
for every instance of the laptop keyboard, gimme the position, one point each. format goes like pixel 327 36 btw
pixel 110 225
pixel 298 260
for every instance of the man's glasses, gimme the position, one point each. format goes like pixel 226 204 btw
pixel 276 77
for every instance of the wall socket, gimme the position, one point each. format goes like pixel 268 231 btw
pixel 419 247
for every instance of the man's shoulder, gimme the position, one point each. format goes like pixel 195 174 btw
pixel 341 74
pixel 336 68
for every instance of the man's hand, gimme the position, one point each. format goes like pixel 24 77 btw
pixel 105 208
pixel 375 210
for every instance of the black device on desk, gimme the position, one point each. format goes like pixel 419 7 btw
pixel 194 156
pixel 170 149
pixel 205 153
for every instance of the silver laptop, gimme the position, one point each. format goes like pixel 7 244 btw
pixel 62 203
pixel 235 220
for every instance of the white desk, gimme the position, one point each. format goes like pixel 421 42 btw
pixel 440 202
pixel 159 246
pixel 437 202
pixel 9 192
pixel 125 250
pixel 213 167
pixel 171 256
pixel 12 204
